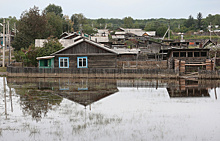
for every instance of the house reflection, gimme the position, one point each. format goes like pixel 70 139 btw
pixel 188 88
pixel 86 91
pixel 82 91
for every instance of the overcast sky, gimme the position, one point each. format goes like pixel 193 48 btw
pixel 137 9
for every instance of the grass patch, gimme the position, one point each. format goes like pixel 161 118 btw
pixel 3 69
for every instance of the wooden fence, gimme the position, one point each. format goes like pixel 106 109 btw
pixel 207 74
pixel 90 72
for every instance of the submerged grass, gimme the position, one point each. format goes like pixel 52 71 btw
pixel 33 131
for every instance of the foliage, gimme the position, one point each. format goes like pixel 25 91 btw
pixel 31 26
pixel 52 45
pixel 28 56
pixel 12 22
pixel 88 29
pixel 128 22
pixel 52 8
pixel 67 24
pixel 159 27
pixel 78 21
pixel 199 20
pixel 54 25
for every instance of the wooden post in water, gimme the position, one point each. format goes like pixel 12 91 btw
pixel 5 97
pixel 215 94
pixel 11 99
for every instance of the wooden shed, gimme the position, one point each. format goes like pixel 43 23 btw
pixel 85 54
pixel 188 59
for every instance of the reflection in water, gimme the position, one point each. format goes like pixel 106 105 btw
pixel 188 88
pixel 33 101
pixel 38 96
pixel 122 109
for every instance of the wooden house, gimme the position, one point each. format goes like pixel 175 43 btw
pixel 83 53
pixel 188 59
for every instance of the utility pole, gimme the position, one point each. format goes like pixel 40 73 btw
pixel 3 60
pixel 210 31
pixel 169 31
pixel 9 44
pixel 15 29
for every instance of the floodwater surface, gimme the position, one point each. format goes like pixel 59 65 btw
pixel 106 110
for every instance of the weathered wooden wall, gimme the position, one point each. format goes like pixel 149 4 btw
pixel 94 61
pixel 143 64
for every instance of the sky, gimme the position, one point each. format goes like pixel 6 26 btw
pixel 137 9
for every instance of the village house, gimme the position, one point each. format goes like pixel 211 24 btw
pixel 189 59
pixel 83 53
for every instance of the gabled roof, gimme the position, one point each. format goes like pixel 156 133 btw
pixel 88 41
pixel 69 35
pixel 207 42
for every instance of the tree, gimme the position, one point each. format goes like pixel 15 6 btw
pixel 128 22
pixel 54 9
pixel 78 21
pixel 190 23
pixel 67 24
pixel 31 26
pixel 27 56
pixel 101 23
pixel 52 45
pixel 88 29
pixel 199 20
pixel 54 25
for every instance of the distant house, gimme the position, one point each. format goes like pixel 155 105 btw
pixel 189 59
pixel 102 33
pixel 102 39
pixel 138 32
pixel 66 40
pixel 81 54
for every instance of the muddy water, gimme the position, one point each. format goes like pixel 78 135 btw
pixel 85 109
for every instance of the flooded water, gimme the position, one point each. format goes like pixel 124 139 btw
pixel 106 110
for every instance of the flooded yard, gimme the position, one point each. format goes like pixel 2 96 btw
pixel 106 110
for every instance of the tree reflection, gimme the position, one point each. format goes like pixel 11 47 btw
pixel 37 103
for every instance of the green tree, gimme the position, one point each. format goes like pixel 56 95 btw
pixel 31 26
pixel 88 29
pixel 78 21
pixel 199 20
pixel 128 22
pixel 55 9
pixel 190 23
pixel 101 23
pixel 54 25
pixel 52 45
pixel 67 24
pixel 27 56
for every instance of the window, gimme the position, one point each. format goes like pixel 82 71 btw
pixel 203 54
pixel 190 54
pixel 46 62
pixel 175 54
pixel 82 62
pixel 182 54
pixel 196 54
pixel 63 62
